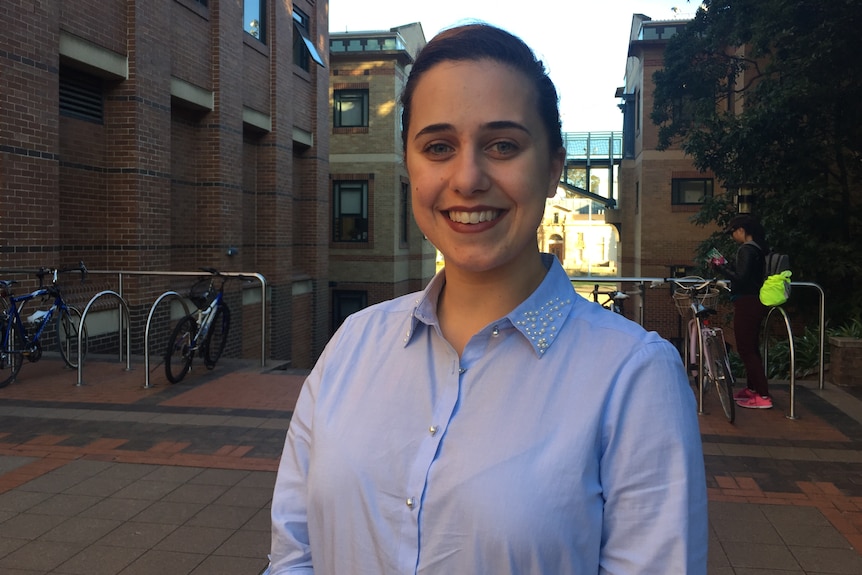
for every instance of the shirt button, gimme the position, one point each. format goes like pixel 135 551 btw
pixel 462 370
pixel 411 502
pixel 433 430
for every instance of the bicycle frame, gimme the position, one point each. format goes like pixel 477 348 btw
pixel 16 322
pixel 712 360
pixel 205 319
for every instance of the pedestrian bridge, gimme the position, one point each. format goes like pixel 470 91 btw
pixel 591 154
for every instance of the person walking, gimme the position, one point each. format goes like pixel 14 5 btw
pixel 495 422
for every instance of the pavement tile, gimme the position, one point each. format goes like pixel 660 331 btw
pixel 80 530
pixel 99 560
pixel 39 556
pixel 138 535
pixel 195 539
pixel 177 479
pixel 170 512
pixel 156 561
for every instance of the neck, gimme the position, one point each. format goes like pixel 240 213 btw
pixel 470 301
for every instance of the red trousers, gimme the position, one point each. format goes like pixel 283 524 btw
pixel 748 314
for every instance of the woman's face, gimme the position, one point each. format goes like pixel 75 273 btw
pixel 479 164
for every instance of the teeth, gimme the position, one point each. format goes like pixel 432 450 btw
pixel 473 217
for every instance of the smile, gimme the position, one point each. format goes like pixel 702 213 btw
pixel 474 217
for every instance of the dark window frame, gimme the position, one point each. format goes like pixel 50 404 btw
pixel 404 214
pixel 350 226
pixel 258 33
pixel 344 300
pixel 351 95
pixel 682 188
pixel 303 47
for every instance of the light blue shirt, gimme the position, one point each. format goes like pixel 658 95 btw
pixel 564 441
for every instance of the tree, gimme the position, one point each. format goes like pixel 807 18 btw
pixel 768 94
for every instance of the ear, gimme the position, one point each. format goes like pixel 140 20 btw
pixel 558 161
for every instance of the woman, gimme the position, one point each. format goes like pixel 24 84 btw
pixel 746 278
pixel 495 422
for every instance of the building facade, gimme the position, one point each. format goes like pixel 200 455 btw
pixel 169 135
pixel 659 190
pixel 376 251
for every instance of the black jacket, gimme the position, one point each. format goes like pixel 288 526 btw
pixel 746 276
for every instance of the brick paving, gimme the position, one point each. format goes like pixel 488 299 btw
pixel 115 479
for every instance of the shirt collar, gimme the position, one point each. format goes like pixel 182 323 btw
pixel 538 318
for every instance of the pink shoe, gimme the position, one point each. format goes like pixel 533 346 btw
pixel 755 402
pixel 744 393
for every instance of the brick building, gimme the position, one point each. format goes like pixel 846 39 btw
pixel 376 251
pixel 659 190
pixel 153 135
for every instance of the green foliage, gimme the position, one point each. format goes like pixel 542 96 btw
pixel 768 94
pixel 806 348
pixel 851 329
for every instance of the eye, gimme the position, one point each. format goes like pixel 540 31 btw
pixel 437 149
pixel 503 148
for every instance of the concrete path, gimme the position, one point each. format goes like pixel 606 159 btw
pixel 110 478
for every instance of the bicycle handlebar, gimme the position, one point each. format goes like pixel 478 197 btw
pixel 217 273
pixel 54 273
pixel 692 283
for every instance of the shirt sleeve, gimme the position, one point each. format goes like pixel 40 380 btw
pixel 291 551
pixel 652 470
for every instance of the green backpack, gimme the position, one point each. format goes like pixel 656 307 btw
pixel 776 283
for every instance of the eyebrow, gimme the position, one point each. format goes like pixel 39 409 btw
pixel 495 125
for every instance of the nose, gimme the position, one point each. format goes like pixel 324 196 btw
pixel 469 172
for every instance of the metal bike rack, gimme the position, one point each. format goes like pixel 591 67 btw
pixel 124 315
pixel 822 321
pixel 167 294
pixel 822 337
pixel 792 346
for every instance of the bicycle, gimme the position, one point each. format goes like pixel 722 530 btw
pixel 695 297
pixel 16 343
pixel 614 298
pixel 203 332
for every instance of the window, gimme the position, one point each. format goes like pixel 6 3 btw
pixel 254 18
pixel 690 191
pixel 350 211
pixel 81 96
pixel 404 208
pixel 350 108
pixel 303 48
pixel 344 303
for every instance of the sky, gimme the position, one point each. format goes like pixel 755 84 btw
pixel 583 43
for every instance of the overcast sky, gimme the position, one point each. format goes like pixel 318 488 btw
pixel 583 43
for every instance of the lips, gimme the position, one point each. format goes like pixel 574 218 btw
pixel 473 217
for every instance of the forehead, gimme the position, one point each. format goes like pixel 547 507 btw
pixel 474 87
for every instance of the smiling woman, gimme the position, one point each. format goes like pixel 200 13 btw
pixel 398 458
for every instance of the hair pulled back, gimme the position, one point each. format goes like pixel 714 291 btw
pixel 472 42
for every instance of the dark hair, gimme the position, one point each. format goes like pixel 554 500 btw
pixel 752 226
pixel 478 41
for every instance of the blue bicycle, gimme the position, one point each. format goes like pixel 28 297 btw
pixel 22 337
pixel 202 332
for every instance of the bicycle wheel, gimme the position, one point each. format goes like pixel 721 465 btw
pixel 720 374
pixel 10 362
pixel 217 336
pixel 180 352
pixel 69 331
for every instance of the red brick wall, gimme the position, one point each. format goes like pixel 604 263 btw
pixel 158 186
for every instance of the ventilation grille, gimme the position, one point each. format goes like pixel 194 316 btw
pixel 81 96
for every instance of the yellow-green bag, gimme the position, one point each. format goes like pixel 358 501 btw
pixel 776 289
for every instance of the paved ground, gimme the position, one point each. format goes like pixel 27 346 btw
pixel 110 478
